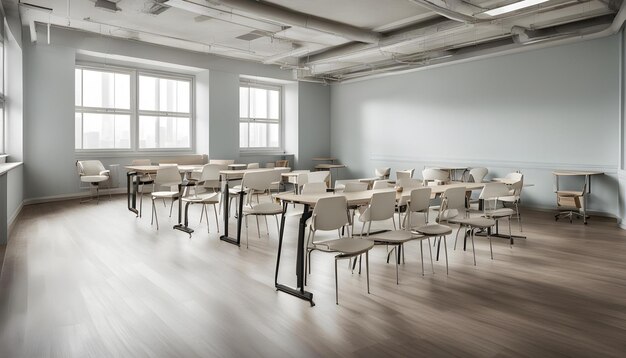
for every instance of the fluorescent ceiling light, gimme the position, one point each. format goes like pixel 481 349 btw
pixel 512 7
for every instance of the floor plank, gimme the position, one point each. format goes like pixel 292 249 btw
pixel 86 280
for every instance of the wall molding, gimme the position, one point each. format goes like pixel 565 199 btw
pixel 434 161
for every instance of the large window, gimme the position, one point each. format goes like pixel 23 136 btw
pixel 119 109
pixel 2 149
pixel 260 117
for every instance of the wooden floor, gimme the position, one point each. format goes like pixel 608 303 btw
pixel 86 280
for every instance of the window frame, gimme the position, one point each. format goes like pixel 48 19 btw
pixel 3 116
pixel 279 121
pixel 134 109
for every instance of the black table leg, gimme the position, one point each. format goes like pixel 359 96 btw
pixel 299 291
pixel 131 191
pixel 225 237
pixel 182 226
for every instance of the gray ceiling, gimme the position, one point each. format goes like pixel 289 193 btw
pixel 329 40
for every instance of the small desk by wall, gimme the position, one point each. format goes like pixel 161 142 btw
pixel 330 168
pixel 568 200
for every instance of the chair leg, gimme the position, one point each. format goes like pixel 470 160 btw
pixel 430 251
pixel 258 230
pixel 246 220
pixel 510 235
pixel 445 248
pixel 152 217
pixel 217 221
pixel 397 259
pixel 422 256
pixel 266 226
pixel 171 207
pixel 519 218
pixel 473 248
pixel 490 247
pixel 367 270
pixel 456 237
pixel 336 284
pixel 202 213
pixel 141 201
pixel 277 225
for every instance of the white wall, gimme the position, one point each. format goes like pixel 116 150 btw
pixel 313 123
pixel 554 108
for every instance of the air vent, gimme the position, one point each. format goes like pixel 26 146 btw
pixel 201 18
pixel 252 35
pixel 155 7
pixel 107 5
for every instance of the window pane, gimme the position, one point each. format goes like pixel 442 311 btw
pixel 258 103
pixel 78 78
pixel 100 89
pixel 147 93
pixel 147 132
pixel 100 132
pixel 184 96
pixel 173 132
pixel 78 130
pixel 174 95
pixel 243 135
pixel 244 98
pixel 122 91
pixel 274 103
pixel 274 138
pixel 258 134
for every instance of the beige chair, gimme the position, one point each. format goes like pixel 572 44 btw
pixel 382 173
pixel 282 163
pixel 434 176
pixel 208 175
pixel 490 196
pixel 571 203
pixel 260 182
pixel 477 175
pixel 313 188
pixel 408 173
pixel 167 176
pixel 225 162
pixel 515 193
pixel 402 185
pixel 331 214
pixel 253 166
pixel 93 173
pixel 378 184
pixel 418 202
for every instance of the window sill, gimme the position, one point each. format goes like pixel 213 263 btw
pixel 257 152
pixel 132 154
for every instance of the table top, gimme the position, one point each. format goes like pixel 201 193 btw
pixel 449 168
pixel 324 159
pixel 295 173
pixel 232 172
pixel 329 166
pixel 575 173
pixel 153 168
pixel 363 197
pixel 238 166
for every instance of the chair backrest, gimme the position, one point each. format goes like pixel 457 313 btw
pixel 516 187
pixel 222 161
pixel 407 183
pixel 253 166
pixel 514 176
pixel 313 188
pixel 259 180
pixel 382 173
pixel 477 175
pixel 167 175
pixel 317 177
pixel 490 194
pixel 353 187
pixel 330 213
pixel 89 167
pixel 269 165
pixel 382 206
pixel 210 172
pixel 420 199
pixel 432 174
pixel 282 163
pixel 404 173
pixel 380 184
pixel 452 202
pixel 141 162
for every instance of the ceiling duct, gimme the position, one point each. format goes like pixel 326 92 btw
pixel 250 36
pixel 107 5
pixel 525 36
pixel 292 18
pixel 155 7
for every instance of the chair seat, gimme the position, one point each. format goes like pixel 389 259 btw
pixel 165 194
pixel 395 236
pixel 499 213
pixel 509 199
pixel 481 223
pixel 212 198
pixel 345 246
pixel 434 229
pixel 93 178
pixel 264 209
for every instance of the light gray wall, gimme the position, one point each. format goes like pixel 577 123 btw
pixel 554 108
pixel 14 115
pixel 15 192
pixel 313 123
pixel 224 114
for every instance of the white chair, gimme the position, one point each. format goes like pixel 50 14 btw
pixel 406 184
pixel 93 173
pixel 318 177
pixel 418 202
pixel 515 193
pixel 477 175
pixel 490 195
pixel 313 188
pixel 331 214
pixel 382 173
pixel 408 173
pixel 166 176
pixel 279 182
pixel 209 174
pixel 259 182
pixel 452 202
pixel 253 166
pixel 225 162
pixel 434 176
pixel 380 184
pixel 354 187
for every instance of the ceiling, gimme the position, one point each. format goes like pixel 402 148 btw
pixel 329 40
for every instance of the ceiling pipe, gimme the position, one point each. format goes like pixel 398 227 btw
pixel 295 52
pixel 452 9
pixel 292 18
pixel 524 36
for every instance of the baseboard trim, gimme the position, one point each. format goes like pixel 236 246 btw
pixel 62 197
pixel 13 218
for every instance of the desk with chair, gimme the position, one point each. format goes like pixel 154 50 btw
pixel 571 202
